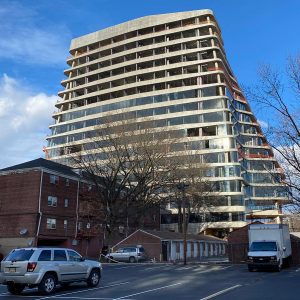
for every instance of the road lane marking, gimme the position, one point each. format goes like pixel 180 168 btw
pixel 89 298
pixel 150 267
pixel 226 267
pixel 63 297
pixel 122 268
pixel 84 290
pixel 148 291
pixel 153 268
pixel 22 295
pixel 221 292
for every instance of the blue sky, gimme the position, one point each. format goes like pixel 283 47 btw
pixel 35 38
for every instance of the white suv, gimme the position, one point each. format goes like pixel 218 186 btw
pixel 45 268
pixel 128 254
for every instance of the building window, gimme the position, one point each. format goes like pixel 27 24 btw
pixel 67 182
pixel 52 201
pixel 65 224
pixel 66 202
pixel 51 223
pixel 192 132
pixel 79 225
pixel 54 179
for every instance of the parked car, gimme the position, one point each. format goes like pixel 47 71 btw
pixel 45 268
pixel 128 254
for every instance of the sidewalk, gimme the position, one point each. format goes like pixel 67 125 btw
pixel 205 260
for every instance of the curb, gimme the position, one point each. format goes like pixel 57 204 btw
pixel 212 262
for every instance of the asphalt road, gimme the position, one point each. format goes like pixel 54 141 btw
pixel 172 282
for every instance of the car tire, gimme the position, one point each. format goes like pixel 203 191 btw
pixel 15 289
pixel 132 259
pixel 250 269
pixel 47 285
pixel 94 278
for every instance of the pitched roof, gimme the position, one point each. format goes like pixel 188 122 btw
pixel 174 236
pixel 168 235
pixel 43 163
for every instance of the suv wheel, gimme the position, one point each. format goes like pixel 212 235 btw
pixel 94 278
pixel 131 259
pixel 47 285
pixel 15 289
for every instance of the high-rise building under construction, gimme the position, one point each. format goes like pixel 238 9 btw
pixel 172 69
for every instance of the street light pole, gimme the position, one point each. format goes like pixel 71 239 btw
pixel 182 187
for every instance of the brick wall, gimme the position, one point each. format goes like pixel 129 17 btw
pixel 7 244
pixel 151 244
pixel 295 243
pixel 62 190
pixel 19 201
pixel 238 245
pixel 19 194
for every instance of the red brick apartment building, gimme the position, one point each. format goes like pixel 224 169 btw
pixel 42 203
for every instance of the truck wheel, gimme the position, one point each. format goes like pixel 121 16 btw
pixel 47 285
pixel 250 268
pixel 94 278
pixel 15 289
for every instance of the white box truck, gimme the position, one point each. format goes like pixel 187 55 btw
pixel 269 246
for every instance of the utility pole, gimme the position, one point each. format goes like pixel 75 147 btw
pixel 182 187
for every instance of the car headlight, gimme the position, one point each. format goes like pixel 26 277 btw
pixel 250 257
pixel 273 258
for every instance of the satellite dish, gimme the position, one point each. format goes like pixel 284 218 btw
pixel 23 231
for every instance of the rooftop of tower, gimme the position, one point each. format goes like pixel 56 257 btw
pixel 135 24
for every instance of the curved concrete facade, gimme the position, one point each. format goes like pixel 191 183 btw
pixel 172 69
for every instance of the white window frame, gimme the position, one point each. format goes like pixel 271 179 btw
pixel 52 201
pixel 54 179
pixel 51 223
pixel 66 202
pixel 65 224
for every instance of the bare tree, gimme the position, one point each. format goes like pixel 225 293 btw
pixel 129 167
pixel 135 168
pixel 278 93
pixel 190 192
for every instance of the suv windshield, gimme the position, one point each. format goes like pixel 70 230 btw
pixel 263 246
pixel 19 255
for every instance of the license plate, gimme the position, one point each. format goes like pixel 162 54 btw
pixel 12 270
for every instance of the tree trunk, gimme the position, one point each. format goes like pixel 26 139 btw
pixel 180 227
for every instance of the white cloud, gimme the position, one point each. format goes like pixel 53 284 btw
pixel 25 37
pixel 24 120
